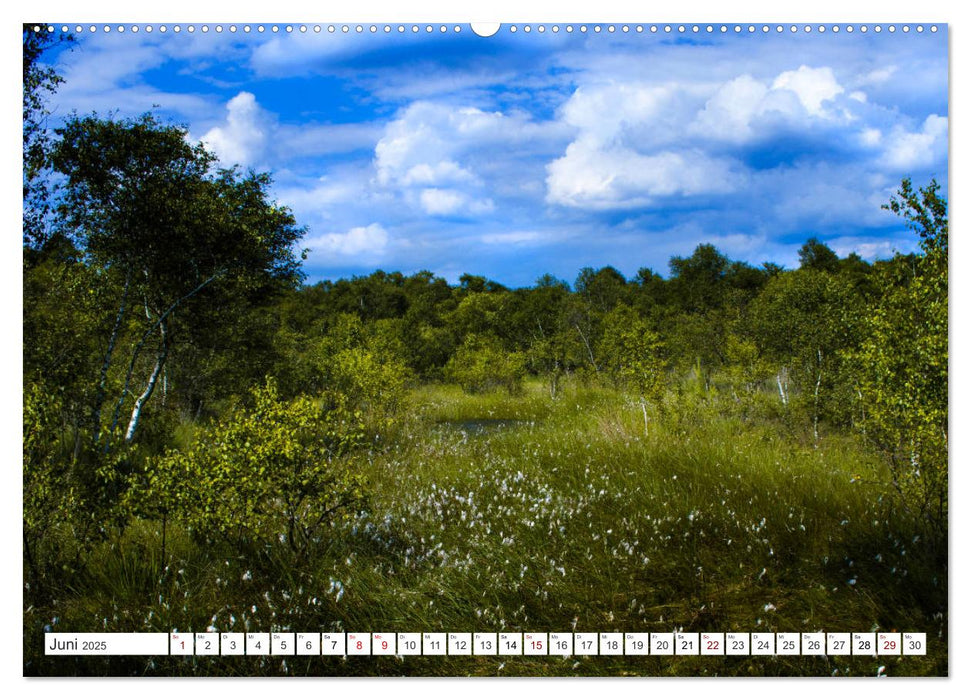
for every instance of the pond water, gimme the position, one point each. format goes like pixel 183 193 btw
pixel 477 426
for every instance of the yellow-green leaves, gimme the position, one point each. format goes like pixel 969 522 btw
pixel 276 471
pixel 630 352
pixel 481 363
pixel 902 363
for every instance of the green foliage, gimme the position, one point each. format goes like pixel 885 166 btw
pixel 601 290
pixel 48 495
pixel 64 323
pixel 363 365
pixel 902 363
pixel 374 383
pixel 40 80
pixel 480 313
pixel 277 471
pixel 925 212
pixel 123 182
pixel 816 255
pixel 551 357
pixel 803 322
pixel 178 238
pixel 541 314
pixel 746 368
pixel 630 353
pixel 696 342
pixel 71 494
pixel 481 364
pixel 699 280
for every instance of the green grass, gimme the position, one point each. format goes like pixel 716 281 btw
pixel 577 517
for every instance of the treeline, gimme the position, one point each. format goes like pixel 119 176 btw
pixel 710 317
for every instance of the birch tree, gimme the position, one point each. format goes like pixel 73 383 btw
pixel 149 209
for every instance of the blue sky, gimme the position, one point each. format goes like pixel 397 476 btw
pixel 521 154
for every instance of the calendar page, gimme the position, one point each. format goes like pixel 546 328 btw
pixel 532 349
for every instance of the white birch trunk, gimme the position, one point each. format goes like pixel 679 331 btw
pixel 782 380
pixel 136 412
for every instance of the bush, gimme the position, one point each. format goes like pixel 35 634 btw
pixel 49 496
pixel 278 471
pixel 71 492
pixel 481 364
pixel 630 353
pixel 364 365
pixel 374 384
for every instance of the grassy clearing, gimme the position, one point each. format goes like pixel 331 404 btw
pixel 579 516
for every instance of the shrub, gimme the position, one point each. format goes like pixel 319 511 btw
pixel 630 353
pixel 364 365
pixel 374 384
pixel 481 364
pixel 48 493
pixel 278 471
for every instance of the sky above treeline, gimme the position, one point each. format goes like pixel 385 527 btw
pixel 545 152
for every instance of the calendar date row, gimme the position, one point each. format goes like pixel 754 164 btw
pixel 488 644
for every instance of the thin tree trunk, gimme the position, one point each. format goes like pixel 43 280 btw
pixel 783 388
pixel 141 343
pixel 136 412
pixel 819 380
pixel 587 346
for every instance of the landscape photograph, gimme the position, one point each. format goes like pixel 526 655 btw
pixel 528 328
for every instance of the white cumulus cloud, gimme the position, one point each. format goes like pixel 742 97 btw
pixel 448 202
pixel 589 176
pixel 441 158
pixel 637 142
pixel 745 108
pixel 630 148
pixel 607 112
pixel 907 150
pixel 445 171
pixel 728 114
pixel 425 141
pixel 813 86
pixel 243 137
pixel 359 244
